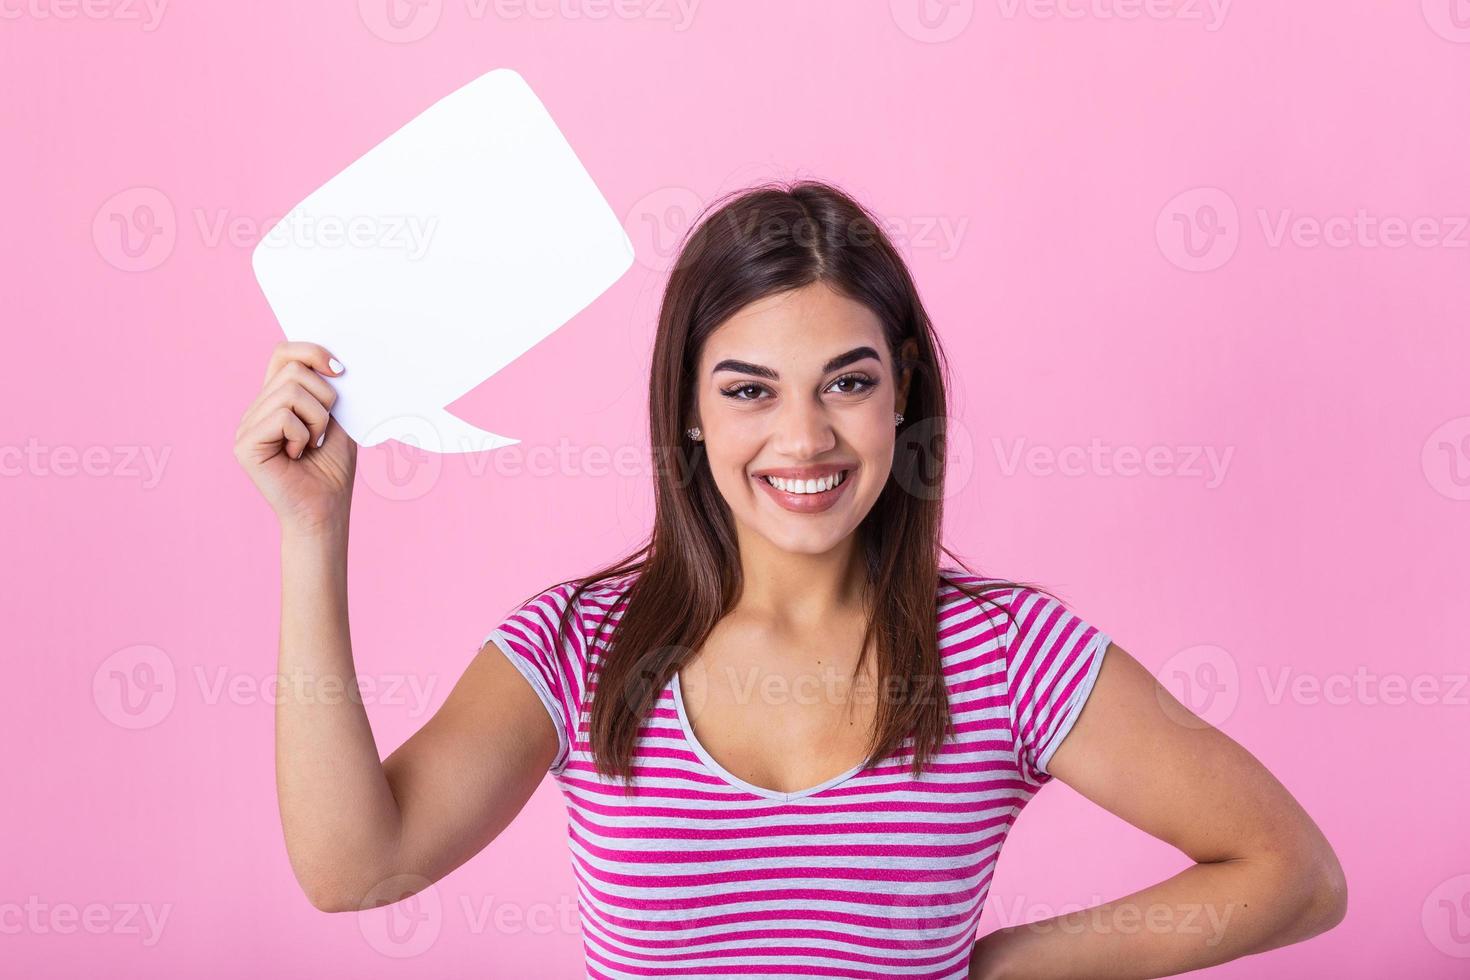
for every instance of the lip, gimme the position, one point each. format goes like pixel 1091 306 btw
pixel 805 503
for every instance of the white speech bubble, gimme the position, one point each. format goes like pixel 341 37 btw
pixel 440 256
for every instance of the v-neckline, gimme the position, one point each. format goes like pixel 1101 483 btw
pixel 735 780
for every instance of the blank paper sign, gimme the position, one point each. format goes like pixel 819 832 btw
pixel 440 256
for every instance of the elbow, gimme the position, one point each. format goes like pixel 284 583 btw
pixel 1331 892
pixel 329 892
pixel 1319 880
pixel 325 898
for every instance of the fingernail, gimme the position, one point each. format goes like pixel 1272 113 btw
pixel 335 365
pixel 321 438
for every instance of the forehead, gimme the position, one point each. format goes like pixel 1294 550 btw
pixel 800 328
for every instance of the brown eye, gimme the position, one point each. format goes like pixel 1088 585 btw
pixel 735 392
pixel 861 384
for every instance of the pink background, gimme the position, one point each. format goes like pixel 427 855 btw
pixel 1039 166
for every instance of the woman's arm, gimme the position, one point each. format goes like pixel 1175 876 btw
pixel 1264 875
pixel 352 822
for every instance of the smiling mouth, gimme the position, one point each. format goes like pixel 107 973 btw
pixel 808 487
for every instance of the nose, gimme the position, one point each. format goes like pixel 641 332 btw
pixel 803 430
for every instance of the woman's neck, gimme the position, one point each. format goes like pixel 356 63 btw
pixel 799 590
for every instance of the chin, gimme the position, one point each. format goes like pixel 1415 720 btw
pixel 809 543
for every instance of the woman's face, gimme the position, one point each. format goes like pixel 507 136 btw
pixel 800 387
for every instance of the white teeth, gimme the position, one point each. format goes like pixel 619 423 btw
pixel 806 486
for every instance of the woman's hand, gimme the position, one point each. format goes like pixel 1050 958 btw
pixel 299 457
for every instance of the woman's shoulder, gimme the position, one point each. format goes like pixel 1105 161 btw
pixel 959 586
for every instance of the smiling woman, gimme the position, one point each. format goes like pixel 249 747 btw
pixel 791 735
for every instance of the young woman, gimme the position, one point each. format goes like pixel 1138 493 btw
pixel 791 738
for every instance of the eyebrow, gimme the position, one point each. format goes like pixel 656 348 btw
pixel 840 361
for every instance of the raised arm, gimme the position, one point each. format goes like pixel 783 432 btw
pixel 1264 876
pixel 353 821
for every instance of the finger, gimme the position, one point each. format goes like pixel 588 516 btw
pixel 314 356
pixel 285 427
pixel 294 372
pixel 299 401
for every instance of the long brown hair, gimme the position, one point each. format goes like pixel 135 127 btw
pixel 747 245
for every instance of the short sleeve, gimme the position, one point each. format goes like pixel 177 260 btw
pixel 1052 662
pixel 528 638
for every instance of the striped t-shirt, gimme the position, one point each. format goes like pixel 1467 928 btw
pixel 872 873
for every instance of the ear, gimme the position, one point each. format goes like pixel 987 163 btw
pixel 908 352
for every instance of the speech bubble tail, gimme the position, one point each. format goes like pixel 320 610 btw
pixel 438 432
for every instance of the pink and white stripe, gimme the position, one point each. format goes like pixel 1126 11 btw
pixel 871 874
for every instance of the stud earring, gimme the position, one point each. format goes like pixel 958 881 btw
pixel 694 433
pixel 897 418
